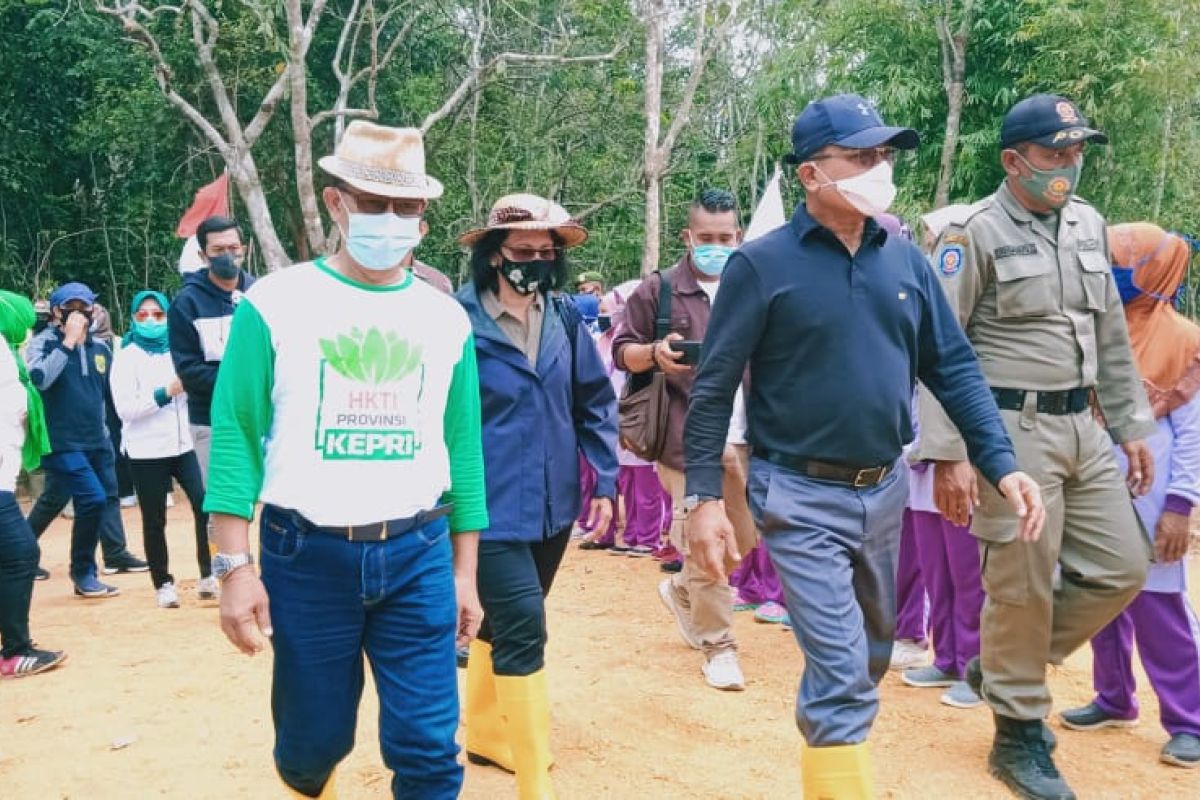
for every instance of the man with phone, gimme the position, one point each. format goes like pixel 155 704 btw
pixel 700 603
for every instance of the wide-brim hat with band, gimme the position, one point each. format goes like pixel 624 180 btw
pixel 389 162
pixel 845 120
pixel 1048 120
pixel 528 212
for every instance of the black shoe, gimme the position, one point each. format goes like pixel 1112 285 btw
pixel 974 677
pixel 1021 760
pixel 41 574
pixel 594 546
pixel 31 662
pixel 671 566
pixel 1182 751
pixel 127 563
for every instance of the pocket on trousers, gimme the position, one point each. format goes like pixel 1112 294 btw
pixel 434 532
pixel 1005 571
pixel 279 538
pixel 994 520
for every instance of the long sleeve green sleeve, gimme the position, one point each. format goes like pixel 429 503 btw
pixel 241 416
pixel 464 442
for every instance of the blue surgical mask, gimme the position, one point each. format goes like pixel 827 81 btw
pixel 711 258
pixel 381 241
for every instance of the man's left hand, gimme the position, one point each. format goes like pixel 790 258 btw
pixel 1025 496
pixel 710 539
pixel 1171 537
pixel 470 613
pixel 600 515
pixel 1141 466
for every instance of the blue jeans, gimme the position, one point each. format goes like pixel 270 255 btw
pixel 90 478
pixel 54 498
pixel 835 549
pixel 333 600
pixel 18 561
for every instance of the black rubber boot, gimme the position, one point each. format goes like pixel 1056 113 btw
pixel 974 678
pixel 1021 760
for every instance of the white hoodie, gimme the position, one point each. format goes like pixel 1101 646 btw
pixel 149 429
pixel 13 407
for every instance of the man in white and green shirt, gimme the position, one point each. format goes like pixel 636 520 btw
pixel 348 404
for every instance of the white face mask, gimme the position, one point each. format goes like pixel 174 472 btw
pixel 871 193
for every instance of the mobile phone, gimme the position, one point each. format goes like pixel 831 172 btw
pixel 690 350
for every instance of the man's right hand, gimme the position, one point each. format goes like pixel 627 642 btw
pixel 667 359
pixel 245 608
pixel 75 329
pixel 955 490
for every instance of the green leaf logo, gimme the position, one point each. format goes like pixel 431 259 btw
pixel 371 357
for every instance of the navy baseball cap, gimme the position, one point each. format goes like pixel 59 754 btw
pixel 71 291
pixel 1048 120
pixel 847 120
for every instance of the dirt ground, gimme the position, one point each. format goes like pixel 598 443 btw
pixel 632 716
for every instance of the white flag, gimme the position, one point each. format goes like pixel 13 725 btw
pixel 189 257
pixel 769 215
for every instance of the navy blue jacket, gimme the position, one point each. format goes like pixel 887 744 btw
pixel 198 322
pixel 73 383
pixel 835 344
pixel 536 421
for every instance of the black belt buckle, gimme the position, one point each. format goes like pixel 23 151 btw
pixel 866 478
pixel 375 532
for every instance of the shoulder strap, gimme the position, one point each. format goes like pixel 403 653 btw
pixel 662 320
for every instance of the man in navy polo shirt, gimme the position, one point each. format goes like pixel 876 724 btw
pixel 837 321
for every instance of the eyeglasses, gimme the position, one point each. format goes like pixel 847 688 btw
pixel 865 158
pixel 526 254
pixel 400 206
pixel 146 314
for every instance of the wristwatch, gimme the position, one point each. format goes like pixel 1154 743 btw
pixel 693 501
pixel 223 563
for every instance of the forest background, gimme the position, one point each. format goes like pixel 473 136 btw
pixel 113 114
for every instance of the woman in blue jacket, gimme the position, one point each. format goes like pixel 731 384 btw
pixel 545 397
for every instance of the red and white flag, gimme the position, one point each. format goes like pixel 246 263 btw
pixel 211 200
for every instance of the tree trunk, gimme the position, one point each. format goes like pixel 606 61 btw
pixel 1160 183
pixel 652 166
pixel 954 74
pixel 954 94
pixel 245 176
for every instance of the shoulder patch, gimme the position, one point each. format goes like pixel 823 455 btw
pixel 1009 250
pixel 950 259
pixel 101 362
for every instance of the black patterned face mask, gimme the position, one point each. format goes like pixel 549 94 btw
pixel 527 277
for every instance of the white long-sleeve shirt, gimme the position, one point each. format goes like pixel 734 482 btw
pixel 13 407
pixel 153 424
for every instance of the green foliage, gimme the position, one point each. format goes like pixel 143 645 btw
pixel 96 167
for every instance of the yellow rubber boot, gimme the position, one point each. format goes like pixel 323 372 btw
pixel 327 793
pixel 841 772
pixel 486 744
pixel 526 709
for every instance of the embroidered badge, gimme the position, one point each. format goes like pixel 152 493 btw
pixel 101 363
pixel 950 260
pixel 1088 244
pixel 954 238
pixel 1067 112
pixel 1008 250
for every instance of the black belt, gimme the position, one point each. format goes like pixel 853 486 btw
pixel 1069 401
pixel 858 477
pixel 374 531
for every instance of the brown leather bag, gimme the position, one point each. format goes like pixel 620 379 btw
pixel 643 404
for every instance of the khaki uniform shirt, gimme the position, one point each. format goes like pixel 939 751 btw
pixel 1039 304
pixel 527 335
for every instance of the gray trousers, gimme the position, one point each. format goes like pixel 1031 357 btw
pixel 202 442
pixel 835 549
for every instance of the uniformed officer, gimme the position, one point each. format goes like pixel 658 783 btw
pixel 836 319
pixel 1027 271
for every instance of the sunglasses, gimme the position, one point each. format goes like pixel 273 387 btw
pixel 525 254
pixel 146 316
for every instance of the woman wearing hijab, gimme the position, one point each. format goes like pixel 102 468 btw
pixel 1150 266
pixel 23 441
pixel 545 397
pixel 156 436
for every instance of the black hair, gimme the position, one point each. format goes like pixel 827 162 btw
pixel 215 224
pixel 715 201
pixel 485 276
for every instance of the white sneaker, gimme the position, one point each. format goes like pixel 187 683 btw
pixel 166 596
pixel 129 501
pixel 907 654
pixel 170 499
pixel 682 618
pixel 208 588
pixel 722 671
